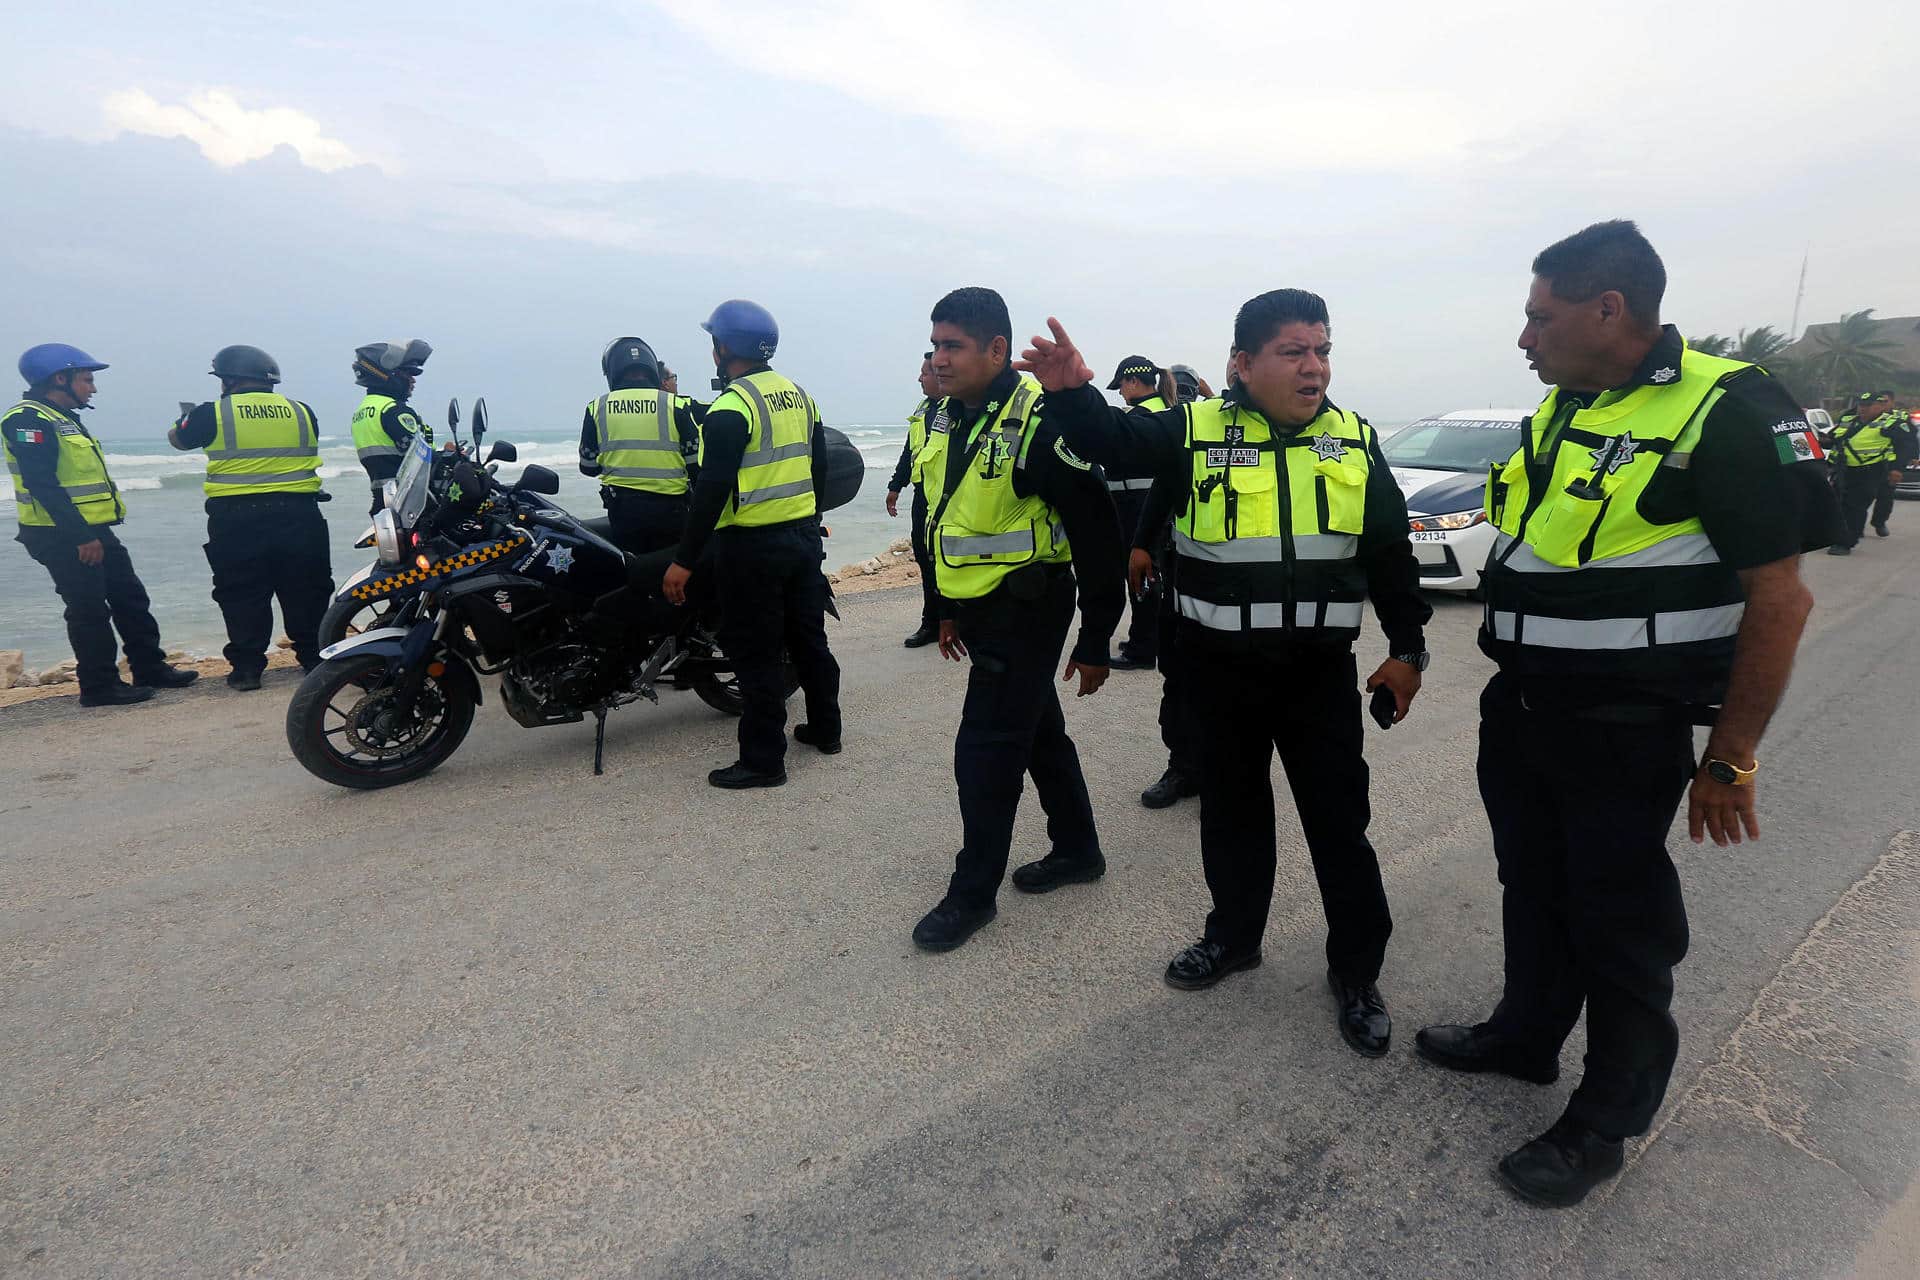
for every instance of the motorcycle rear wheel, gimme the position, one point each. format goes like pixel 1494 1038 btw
pixel 334 728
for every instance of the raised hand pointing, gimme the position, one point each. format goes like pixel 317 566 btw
pixel 1056 364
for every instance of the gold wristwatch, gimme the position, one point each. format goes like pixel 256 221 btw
pixel 1731 774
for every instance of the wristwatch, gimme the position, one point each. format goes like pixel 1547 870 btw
pixel 1418 661
pixel 1731 774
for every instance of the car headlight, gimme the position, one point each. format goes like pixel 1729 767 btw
pixel 1451 520
pixel 386 537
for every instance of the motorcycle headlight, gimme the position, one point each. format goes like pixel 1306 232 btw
pixel 389 490
pixel 1451 520
pixel 386 537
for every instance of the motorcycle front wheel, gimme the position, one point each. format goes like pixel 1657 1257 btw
pixel 345 619
pixel 721 689
pixel 345 728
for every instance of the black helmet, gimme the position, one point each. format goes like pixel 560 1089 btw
pixel 245 364
pixel 381 362
pixel 1186 381
pixel 626 356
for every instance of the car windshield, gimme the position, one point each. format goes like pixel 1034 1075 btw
pixel 410 485
pixel 1453 444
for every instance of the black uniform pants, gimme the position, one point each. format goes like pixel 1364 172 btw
pixel 1143 624
pixel 642 521
pixel 1858 489
pixel 101 599
pixel 923 556
pixel 773 598
pixel 262 547
pixel 1179 726
pixel 1883 497
pixel 1591 910
pixel 1011 726
pixel 1306 705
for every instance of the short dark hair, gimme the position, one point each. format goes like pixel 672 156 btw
pixel 1262 317
pixel 979 313
pixel 1606 256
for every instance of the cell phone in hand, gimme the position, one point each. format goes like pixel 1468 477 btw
pixel 1383 705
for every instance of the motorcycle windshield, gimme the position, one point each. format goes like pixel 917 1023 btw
pixel 410 485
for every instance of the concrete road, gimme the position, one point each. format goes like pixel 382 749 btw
pixel 517 1020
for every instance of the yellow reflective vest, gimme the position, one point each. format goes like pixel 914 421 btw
pixel 370 438
pixel 775 483
pixel 986 530
pixel 81 472
pixel 1865 444
pixel 263 443
pixel 638 442
pixel 1138 484
pixel 1579 582
pixel 1270 537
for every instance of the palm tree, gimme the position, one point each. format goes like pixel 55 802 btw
pixel 1759 345
pixel 1711 345
pixel 1850 358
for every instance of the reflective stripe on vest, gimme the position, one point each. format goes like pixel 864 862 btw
pixel 775 483
pixel 1136 484
pixel 80 472
pixel 237 466
pixel 1867 444
pixel 1270 535
pixel 1579 583
pixel 639 445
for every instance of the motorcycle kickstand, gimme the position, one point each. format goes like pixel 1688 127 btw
pixel 599 738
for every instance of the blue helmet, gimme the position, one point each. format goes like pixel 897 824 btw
pixel 37 364
pixel 746 329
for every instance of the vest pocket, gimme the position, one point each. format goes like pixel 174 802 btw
pixel 1340 493
pixel 1563 530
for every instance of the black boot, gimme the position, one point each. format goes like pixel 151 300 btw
pixel 115 695
pixel 927 634
pixel 1562 1165
pixel 950 924
pixel 244 681
pixel 737 777
pixel 1480 1048
pixel 1364 1023
pixel 1055 870
pixel 1206 962
pixel 804 733
pixel 1172 788
pixel 165 676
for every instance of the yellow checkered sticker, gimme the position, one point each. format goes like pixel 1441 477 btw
pixel 472 556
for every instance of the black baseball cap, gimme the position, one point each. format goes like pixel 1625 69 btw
pixel 1134 367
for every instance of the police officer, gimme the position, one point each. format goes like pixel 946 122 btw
pixel 1872 443
pixel 265 534
pixel 763 461
pixel 1017 524
pixel 906 472
pixel 385 423
pixel 1290 521
pixel 1645 571
pixel 1147 563
pixel 67 506
pixel 638 441
pixel 1148 388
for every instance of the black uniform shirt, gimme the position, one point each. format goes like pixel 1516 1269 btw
pixel 1077 491
pixel 724 438
pixel 1139 443
pixel 685 425
pixel 36 448
pixel 1755 506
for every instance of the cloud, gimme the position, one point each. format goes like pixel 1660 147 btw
pixel 226 132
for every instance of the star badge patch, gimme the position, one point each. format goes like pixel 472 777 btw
pixel 1621 456
pixel 1328 448
pixel 560 559
pixel 1663 376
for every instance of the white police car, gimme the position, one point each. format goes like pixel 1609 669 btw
pixel 1441 467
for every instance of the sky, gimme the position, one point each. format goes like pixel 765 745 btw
pixel 518 184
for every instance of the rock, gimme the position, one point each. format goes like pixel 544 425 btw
pixel 177 656
pixel 26 680
pixel 62 674
pixel 870 565
pixel 13 665
pixel 284 642
pixel 901 546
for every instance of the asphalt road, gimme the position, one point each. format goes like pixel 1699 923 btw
pixel 517 1020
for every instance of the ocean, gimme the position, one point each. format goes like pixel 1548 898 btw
pixel 166 529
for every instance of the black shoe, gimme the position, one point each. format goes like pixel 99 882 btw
pixel 1562 1165
pixel 924 636
pixel 1478 1049
pixel 737 777
pixel 1205 963
pixel 244 681
pixel 1055 870
pixel 1839 551
pixel 115 695
pixel 1172 788
pixel 1363 1016
pixel 165 676
pixel 1124 661
pixel 949 925
pixel 804 733
pixel 1880 530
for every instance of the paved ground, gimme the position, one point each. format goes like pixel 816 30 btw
pixel 518 1020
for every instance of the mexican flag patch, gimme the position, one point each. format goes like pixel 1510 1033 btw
pixel 1796 441
pixel 30 435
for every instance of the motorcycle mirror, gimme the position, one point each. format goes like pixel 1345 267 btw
pixel 503 451
pixel 538 479
pixel 453 413
pixel 479 420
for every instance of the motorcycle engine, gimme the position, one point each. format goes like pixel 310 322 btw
pixel 555 684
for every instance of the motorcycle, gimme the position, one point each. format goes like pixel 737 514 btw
pixel 475 577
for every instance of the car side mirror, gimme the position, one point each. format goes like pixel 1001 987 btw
pixel 538 479
pixel 503 451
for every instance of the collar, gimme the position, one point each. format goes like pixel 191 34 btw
pixel 997 392
pixel 68 414
pixel 1662 365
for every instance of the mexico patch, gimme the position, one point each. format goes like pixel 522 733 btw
pixel 30 435
pixel 1796 441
